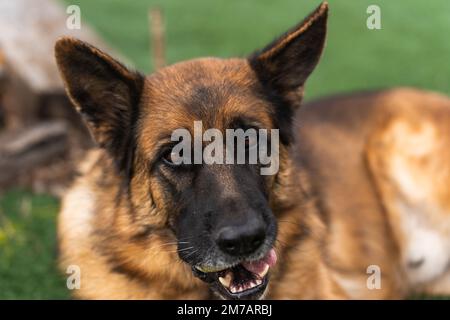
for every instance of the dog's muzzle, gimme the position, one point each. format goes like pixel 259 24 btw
pixel 246 280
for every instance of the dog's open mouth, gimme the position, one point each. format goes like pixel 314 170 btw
pixel 247 280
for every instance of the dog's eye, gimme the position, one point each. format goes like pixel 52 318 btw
pixel 251 142
pixel 172 158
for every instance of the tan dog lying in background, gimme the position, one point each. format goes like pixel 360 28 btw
pixel 363 182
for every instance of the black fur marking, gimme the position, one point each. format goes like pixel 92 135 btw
pixel 290 62
pixel 283 66
pixel 203 100
pixel 125 159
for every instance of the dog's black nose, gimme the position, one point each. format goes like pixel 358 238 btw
pixel 242 239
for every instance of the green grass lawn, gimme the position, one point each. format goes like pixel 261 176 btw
pixel 28 248
pixel 411 49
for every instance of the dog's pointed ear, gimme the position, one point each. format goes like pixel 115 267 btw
pixel 104 91
pixel 286 63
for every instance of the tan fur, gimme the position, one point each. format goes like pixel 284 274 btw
pixel 409 155
pixel 365 183
pixel 80 219
pixel 402 127
pixel 317 259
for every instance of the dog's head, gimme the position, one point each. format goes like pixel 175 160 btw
pixel 220 215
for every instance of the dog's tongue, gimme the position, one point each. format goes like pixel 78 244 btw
pixel 260 265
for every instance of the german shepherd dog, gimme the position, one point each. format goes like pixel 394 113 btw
pixel 359 208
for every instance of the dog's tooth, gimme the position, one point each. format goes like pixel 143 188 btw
pixel 226 281
pixel 233 289
pixel 264 272
pixel 258 282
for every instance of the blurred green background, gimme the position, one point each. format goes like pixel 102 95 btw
pixel 412 48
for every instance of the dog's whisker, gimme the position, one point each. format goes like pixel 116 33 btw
pixel 191 253
pixel 186 238
pixel 172 243
pixel 184 249
pixel 165 245
pixel 283 244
